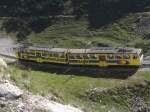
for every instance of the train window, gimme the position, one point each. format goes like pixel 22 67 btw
pixel 22 52
pixel 79 56
pixel 73 61
pixel 135 56
pixel 38 54
pixel 85 56
pixel 118 57
pixel 110 56
pixel 93 61
pixel 45 55
pixel 140 54
pixel 93 56
pixel 55 55
pixel 102 58
pixel 50 55
pixel 31 53
pixel 71 57
pixel 126 56
pixel 61 55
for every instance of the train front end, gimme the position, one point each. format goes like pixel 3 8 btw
pixel 141 56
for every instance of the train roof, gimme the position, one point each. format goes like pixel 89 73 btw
pixel 111 50
pixel 77 51
pixel 88 50
pixel 104 50
pixel 48 49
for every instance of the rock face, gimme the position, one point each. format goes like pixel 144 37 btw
pixel 39 103
pixel 12 99
pixel 33 103
pixel 138 105
pixel 143 24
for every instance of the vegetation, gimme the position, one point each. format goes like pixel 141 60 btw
pixel 75 7
pixel 94 22
pixel 73 89
pixel 72 33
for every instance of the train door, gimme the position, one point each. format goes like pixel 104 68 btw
pixel 61 58
pixel 91 59
pixel 102 60
pixel 31 55
pixel 38 56
pixel 76 59
pixel 23 55
pixel 135 59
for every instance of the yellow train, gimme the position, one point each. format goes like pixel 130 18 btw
pixel 101 56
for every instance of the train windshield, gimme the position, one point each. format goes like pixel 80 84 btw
pixel 140 53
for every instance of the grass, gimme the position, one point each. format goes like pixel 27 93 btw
pixel 72 33
pixel 72 89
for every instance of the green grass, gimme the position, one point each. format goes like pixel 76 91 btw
pixel 72 33
pixel 72 89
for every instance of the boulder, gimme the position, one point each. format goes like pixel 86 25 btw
pixel 3 63
pixel 98 90
pixel 10 91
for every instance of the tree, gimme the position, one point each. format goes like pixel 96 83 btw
pixel 31 7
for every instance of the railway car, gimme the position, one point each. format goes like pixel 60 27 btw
pixel 100 57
